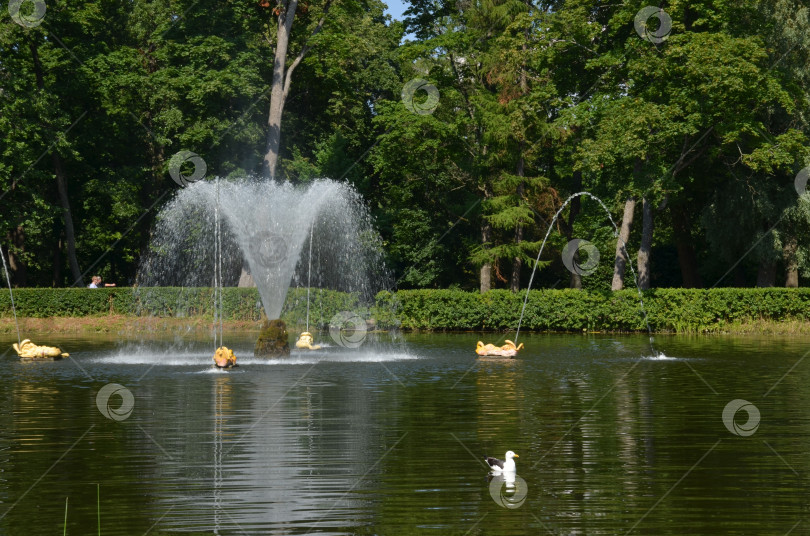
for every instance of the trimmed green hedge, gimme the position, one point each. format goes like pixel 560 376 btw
pixel 237 303
pixel 678 310
pixel 48 302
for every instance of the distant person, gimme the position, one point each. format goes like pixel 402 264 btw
pixel 95 282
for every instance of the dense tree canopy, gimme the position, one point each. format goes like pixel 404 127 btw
pixel 465 127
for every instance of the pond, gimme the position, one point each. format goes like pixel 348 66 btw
pixel 712 436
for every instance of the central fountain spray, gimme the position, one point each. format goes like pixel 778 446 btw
pixel 265 228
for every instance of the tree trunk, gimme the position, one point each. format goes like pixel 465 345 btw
pixel 682 232
pixel 245 278
pixel 285 21
pixel 58 280
pixel 517 262
pixel 282 76
pixel 576 279
pixel 70 236
pixel 766 275
pixel 568 228
pixel 621 244
pixel 645 249
pixel 486 268
pixel 791 262
pixel 739 277
pixel 19 272
pixel 61 180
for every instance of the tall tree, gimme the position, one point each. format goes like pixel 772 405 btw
pixel 645 249
pixel 620 264
pixel 285 10
pixel 47 66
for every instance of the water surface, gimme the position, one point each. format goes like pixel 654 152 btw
pixel 389 438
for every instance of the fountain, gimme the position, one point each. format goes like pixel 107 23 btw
pixel 623 246
pixel 11 296
pixel 27 350
pixel 265 227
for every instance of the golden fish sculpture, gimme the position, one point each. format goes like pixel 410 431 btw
pixel 507 350
pixel 305 341
pixel 29 350
pixel 224 358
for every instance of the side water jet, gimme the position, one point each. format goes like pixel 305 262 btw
pixel 265 226
pixel 11 296
pixel 305 340
pixel 623 246
pixel 26 349
pixel 223 356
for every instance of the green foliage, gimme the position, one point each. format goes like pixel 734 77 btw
pixel 143 80
pixel 324 305
pixel 45 302
pixel 713 121
pixel 678 310
pixel 181 302
pixel 668 310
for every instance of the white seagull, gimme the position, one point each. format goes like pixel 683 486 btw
pixel 501 466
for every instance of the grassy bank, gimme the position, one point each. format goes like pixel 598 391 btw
pixel 123 325
pixel 123 310
pixel 126 326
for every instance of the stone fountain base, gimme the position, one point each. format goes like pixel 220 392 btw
pixel 273 340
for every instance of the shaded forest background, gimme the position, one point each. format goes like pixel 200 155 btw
pixel 465 137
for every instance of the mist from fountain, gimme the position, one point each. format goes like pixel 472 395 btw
pixel 265 227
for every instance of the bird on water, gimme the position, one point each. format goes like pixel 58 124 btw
pixel 503 466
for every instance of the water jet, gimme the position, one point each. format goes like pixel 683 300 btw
pixel 622 245
pixel 265 226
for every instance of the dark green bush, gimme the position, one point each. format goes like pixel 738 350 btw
pixel 48 302
pixel 323 306
pixel 237 303
pixel 678 310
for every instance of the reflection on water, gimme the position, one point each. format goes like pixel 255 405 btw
pixel 222 412
pixel 390 438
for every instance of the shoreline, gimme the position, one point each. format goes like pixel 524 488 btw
pixel 118 325
pixel 131 325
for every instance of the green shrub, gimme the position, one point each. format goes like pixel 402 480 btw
pixel 677 310
pixel 48 302
pixel 323 306
pixel 237 303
